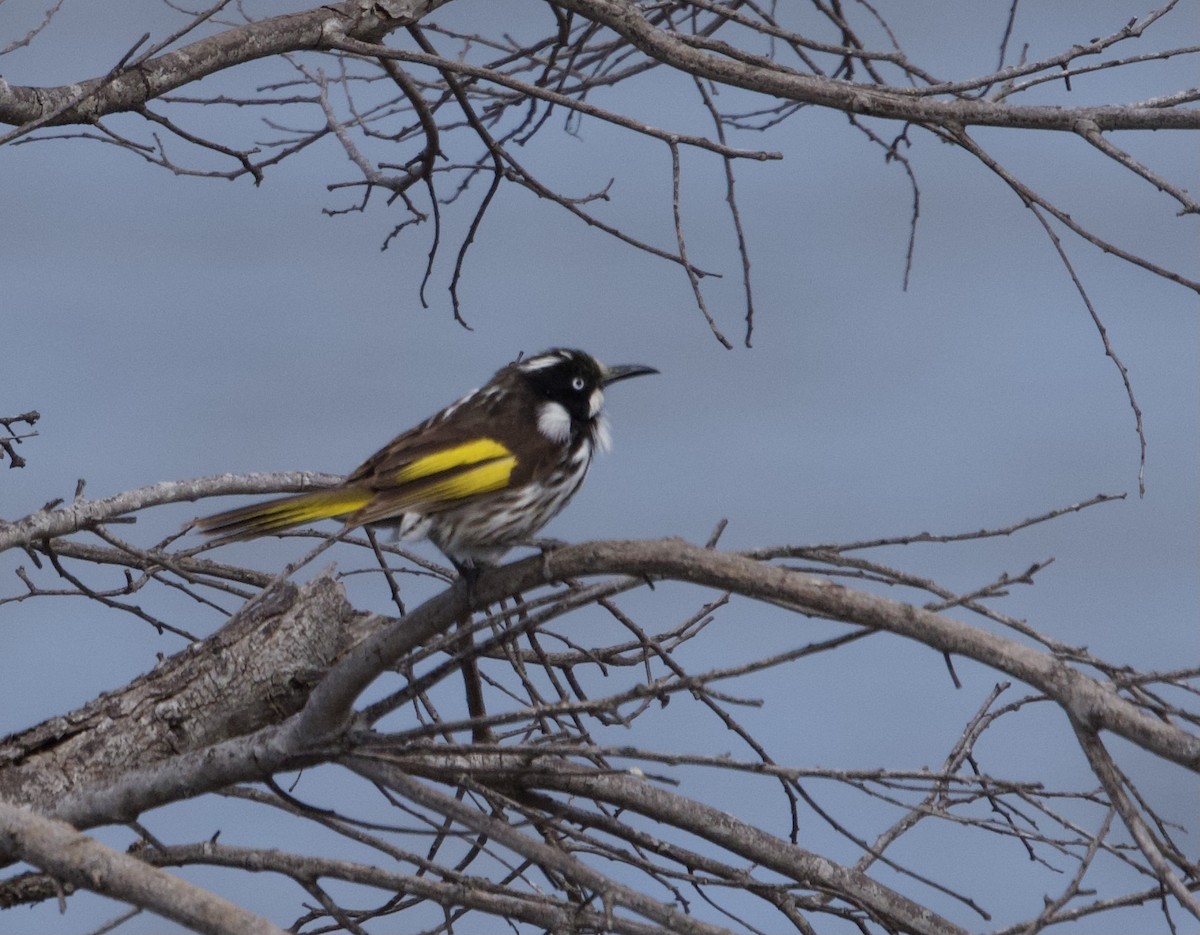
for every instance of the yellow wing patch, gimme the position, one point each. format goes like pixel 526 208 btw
pixel 473 452
pixel 490 476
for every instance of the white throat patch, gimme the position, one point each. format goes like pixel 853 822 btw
pixel 595 403
pixel 601 436
pixel 554 422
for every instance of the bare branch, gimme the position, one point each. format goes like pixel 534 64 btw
pixel 83 863
pixel 9 442
pixel 261 666
pixel 83 514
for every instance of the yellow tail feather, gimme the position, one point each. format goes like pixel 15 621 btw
pixel 275 515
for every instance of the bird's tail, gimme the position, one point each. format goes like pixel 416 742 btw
pixel 260 519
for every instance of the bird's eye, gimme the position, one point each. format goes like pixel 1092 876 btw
pixel 577 383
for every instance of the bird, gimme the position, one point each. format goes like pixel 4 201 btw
pixel 477 478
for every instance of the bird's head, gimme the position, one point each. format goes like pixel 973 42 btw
pixel 570 386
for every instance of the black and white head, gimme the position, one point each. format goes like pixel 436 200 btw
pixel 569 387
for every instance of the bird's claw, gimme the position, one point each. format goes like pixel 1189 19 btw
pixel 547 546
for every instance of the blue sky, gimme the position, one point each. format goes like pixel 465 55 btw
pixel 171 327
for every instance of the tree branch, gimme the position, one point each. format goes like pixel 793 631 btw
pixel 767 77
pixel 635 794
pixel 256 670
pixel 129 89
pixel 84 863
pixel 49 522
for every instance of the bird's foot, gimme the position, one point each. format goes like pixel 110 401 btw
pixel 547 546
pixel 469 576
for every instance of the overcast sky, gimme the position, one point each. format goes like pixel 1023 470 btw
pixel 169 327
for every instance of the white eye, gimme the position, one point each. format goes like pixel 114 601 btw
pixel 577 383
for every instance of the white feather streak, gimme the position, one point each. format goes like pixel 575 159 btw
pixel 601 436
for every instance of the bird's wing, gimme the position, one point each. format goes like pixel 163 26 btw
pixel 433 467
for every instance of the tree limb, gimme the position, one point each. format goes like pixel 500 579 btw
pixel 84 863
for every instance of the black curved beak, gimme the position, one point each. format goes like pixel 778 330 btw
pixel 624 372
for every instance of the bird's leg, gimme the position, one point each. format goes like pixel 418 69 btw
pixel 464 646
pixel 469 576
pixel 547 547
